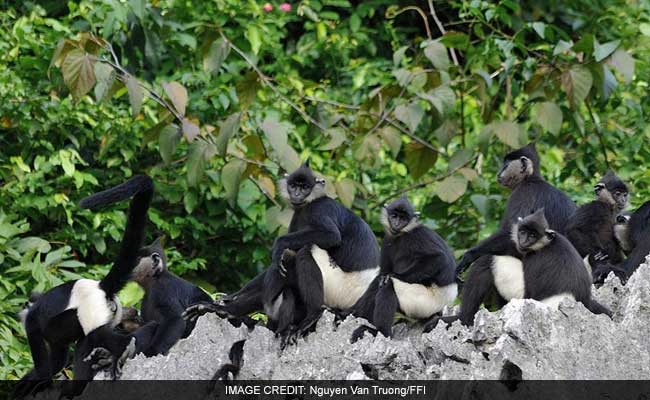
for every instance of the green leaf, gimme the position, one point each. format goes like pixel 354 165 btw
pixel 231 176
pixel 78 72
pixel 346 190
pixel 337 138
pixel 601 51
pixel 508 132
pixel 228 129
pixel 576 83
pixel 247 89
pixel 436 52
pixel 480 201
pixel 367 146
pixel 254 38
pixel 190 130
pixel 410 114
pixel 398 55
pixel 138 7
pixel 136 95
pixel 178 95
pixel 539 28
pixel 393 139
pixel 419 159
pixel 549 116
pixel 277 134
pixel 219 50
pixel 442 98
pixel 562 46
pixel 460 158
pixel 451 188
pixel 30 243
pixel 190 201
pixel 403 76
pixel 644 28
pixel 66 162
pixel 198 153
pixel 624 63
pixel 105 75
pixel 167 142
pixel 455 40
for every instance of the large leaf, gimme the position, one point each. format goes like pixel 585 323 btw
pixel 105 75
pixel 190 130
pixel 254 38
pixel 346 190
pixel 624 63
pixel 549 116
pixel 277 134
pixel 178 95
pixel 167 142
pixel 442 98
pixel 247 89
pixel 216 55
pixel 229 128
pixel 198 153
pixel 337 138
pixel 231 176
pixel 436 52
pixel 392 138
pixel 410 114
pixel 508 132
pixel 367 146
pixel 460 158
pixel 419 159
pixel 78 72
pixel 266 184
pixel 451 188
pixel 136 95
pixel 601 51
pixel 576 83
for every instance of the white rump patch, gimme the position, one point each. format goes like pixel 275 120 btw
pixel 93 310
pixel 420 301
pixel 554 301
pixel 273 310
pixel 508 275
pixel 587 264
pixel 342 289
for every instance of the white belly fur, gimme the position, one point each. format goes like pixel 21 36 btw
pixel 93 310
pixel 554 301
pixel 342 289
pixel 420 301
pixel 508 275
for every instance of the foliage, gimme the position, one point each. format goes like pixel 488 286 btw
pixel 216 100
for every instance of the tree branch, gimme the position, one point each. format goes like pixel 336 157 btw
pixel 442 31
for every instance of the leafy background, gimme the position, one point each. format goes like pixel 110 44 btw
pixel 216 100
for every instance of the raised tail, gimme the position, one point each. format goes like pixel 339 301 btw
pixel 141 188
pixel 121 192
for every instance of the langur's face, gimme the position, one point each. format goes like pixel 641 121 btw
pixel 397 219
pixel 514 171
pixel 301 188
pixel 149 266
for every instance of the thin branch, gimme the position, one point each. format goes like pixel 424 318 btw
pixel 599 133
pixel 442 31
pixel 422 14
pixel 268 195
pixel 425 183
pixel 332 103
pixel 265 79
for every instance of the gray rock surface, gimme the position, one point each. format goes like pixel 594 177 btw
pixel 525 339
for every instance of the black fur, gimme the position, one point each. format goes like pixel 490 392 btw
pixel 551 266
pixel 591 230
pixel 51 328
pixel 411 253
pixel 638 234
pixel 317 220
pixel 236 356
pixel 530 194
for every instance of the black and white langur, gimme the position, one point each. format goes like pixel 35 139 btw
pixel 592 228
pixel 85 311
pixel 549 269
pixel 521 173
pixel 417 272
pixel 635 237
pixel 336 259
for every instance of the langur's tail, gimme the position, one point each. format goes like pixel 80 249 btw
pixel 141 188
pixel 236 356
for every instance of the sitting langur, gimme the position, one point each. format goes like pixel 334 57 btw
pixel 417 272
pixel 336 259
pixel 591 230
pixel 85 311
pixel 635 237
pixel 549 269
pixel 521 173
